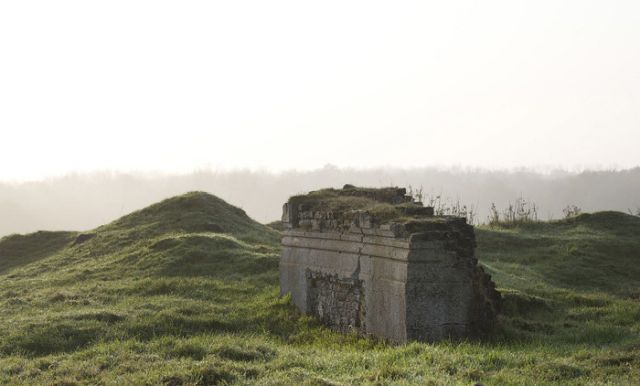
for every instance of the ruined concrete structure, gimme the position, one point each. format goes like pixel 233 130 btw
pixel 375 262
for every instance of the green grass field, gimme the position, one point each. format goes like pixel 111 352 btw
pixel 162 297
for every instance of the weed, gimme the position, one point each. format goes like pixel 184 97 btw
pixel 518 213
pixel 570 211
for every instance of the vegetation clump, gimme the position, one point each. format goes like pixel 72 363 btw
pixel 340 208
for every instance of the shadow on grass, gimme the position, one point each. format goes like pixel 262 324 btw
pixel 51 338
pixel 20 250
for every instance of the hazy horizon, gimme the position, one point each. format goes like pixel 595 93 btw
pixel 108 107
pixel 84 201
pixel 542 170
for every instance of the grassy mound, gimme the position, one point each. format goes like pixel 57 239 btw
pixel 192 213
pixel 17 250
pixel 185 292
pixel 591 252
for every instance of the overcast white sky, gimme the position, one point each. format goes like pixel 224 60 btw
pixel 173 86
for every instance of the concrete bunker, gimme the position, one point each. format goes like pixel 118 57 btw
pixel 376 262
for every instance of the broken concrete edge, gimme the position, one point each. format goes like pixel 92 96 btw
pixel 361 207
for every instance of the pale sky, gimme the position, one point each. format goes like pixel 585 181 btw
pixel 179 85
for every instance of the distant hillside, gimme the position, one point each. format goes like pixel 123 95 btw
pixel 82 202
pixel 591 252
pixel 185 292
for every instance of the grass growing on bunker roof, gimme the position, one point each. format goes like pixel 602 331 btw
pixel 346 203
pixel 185 292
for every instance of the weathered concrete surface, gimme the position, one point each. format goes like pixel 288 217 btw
pixel 410 281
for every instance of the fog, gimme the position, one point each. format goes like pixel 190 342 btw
pixel 161 86
pixel 85 201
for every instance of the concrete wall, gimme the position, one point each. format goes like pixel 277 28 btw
pixel 398 288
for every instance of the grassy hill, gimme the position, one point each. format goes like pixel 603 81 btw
pixel 186 292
